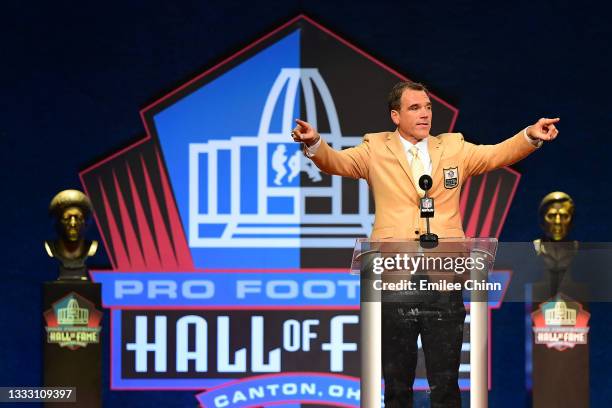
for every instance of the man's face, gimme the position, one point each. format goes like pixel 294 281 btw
pixel 558 220
pixel 414 116
pixel 72 222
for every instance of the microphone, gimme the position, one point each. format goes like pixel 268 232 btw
pixel 426 205
pixel 425 182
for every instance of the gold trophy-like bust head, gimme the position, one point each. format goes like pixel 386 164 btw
pixel 71 223
pixel 71 210
pixel 556 215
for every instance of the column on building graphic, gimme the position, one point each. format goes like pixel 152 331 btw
pixel 249 191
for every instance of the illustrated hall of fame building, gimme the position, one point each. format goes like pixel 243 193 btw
pixel 263 192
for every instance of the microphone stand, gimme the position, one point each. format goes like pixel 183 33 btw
pixel 426 205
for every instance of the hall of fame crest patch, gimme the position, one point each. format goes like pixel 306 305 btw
pixel 451 177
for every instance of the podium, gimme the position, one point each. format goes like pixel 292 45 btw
pixel 72 349
pixel 386 268
pixel 559 369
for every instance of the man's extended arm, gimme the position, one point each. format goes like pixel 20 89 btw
pixel 351 162
pixel 483 158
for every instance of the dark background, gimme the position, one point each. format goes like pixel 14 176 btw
pixel 75 75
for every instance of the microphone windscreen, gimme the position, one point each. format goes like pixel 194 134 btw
pixel 425 182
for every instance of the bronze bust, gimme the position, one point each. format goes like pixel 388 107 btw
pixel 556 213
pixel 71 210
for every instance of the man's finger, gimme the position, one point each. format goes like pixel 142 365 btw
pixel 296 135
pixel 549 131
pixel 549 134
pixel 546 121
pixel 555 133
pixel 304 125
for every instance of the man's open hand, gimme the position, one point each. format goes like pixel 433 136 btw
pixel 304 133
pixel 543 129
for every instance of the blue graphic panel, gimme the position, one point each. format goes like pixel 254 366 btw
pixel 248 180
pixel 218 125
pixel 277 115
pixel 246 258
pixel 191 289
pixel 280 205
pixel 211 230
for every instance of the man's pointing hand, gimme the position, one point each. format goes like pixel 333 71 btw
pixel 304 133
pixel 543 129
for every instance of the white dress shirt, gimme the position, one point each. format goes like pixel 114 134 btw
pixel 421 145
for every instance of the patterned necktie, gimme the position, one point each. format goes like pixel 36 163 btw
pixel 416 166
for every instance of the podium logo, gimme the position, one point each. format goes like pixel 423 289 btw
pixel 560 323
pixel 560 315
pixel 72 314
pixel 73 322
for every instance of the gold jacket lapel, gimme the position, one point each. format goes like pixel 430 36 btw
pixel 434 146
pixel 394 144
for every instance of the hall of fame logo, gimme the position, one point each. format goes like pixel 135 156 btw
pixel 230 251
pixel 451 177
pixel 560 323
pixel 73 322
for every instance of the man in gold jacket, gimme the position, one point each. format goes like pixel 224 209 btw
pixel 392 163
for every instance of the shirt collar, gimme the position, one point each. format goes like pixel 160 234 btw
pixel 421 144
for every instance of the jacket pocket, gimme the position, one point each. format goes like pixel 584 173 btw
pixel 383 232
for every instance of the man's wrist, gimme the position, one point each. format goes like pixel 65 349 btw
pixel 314 142
pixel 534 141
pixel 311 150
